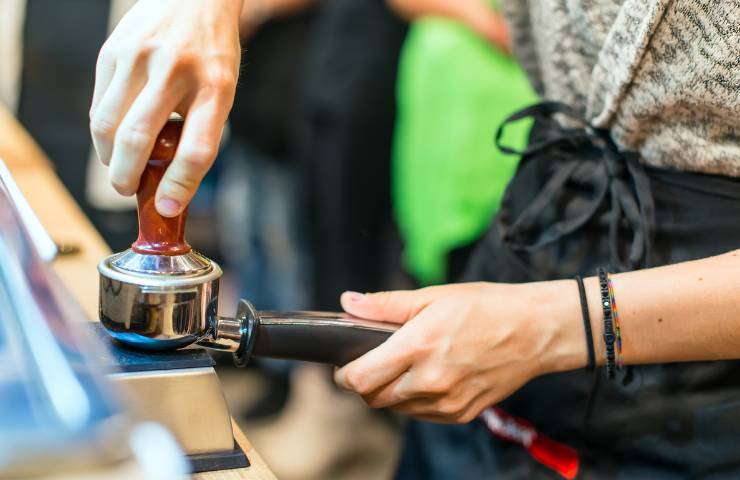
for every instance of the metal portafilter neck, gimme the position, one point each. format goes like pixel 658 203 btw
pixel 160 294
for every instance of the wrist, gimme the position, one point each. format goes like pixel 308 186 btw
pixel 558 313
pixel 593 295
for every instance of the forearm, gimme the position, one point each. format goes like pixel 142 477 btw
pixel 684 312
pixel 476 14
pixel 256 12
pixel 460 10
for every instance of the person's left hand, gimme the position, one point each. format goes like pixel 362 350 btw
pixel 464 347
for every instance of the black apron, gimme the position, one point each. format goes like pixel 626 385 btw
pixel 577 203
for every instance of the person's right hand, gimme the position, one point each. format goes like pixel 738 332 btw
pixel 165 56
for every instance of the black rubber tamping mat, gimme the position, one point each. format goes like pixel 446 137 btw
pixel 126 359
pixel 118 357
pixel 209 462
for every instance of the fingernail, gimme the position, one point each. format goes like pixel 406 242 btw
pixel 354 296
pixel 168 206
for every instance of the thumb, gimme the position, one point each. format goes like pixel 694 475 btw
pixel 397 306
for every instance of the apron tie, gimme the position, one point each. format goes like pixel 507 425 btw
pixel 586 156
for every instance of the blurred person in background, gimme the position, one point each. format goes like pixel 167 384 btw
pixel 305 199
pixel 261 208
pixel 344 122
pixel 448 178
pixel 346 127
pixel 259 201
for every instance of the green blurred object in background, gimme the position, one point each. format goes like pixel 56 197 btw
pixel 454 90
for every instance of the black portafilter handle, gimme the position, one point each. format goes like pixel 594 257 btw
pixel 321 337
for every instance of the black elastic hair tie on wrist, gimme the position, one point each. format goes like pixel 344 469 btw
pixel 609 338
pixel 586 324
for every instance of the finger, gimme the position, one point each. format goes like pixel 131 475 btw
pixel 378 367
pixel 398 306
pixel 396 392
pixel 138 131
pixel 447 409
pixel 127 82
pixel 434 419
pixel 198 147
pixel 426 381
pixel 105 68
pixel 443 419
pixel 439 406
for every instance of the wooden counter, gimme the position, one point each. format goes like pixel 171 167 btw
pixel 66 223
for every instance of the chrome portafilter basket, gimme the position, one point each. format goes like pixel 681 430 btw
pixel 161 295
pixel 151 310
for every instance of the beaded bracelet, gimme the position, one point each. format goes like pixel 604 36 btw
pixel 606 306
pixel 617 327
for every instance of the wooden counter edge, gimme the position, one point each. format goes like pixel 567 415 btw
pixel 259 469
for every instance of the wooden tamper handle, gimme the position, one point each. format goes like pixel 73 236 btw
pixel 160 235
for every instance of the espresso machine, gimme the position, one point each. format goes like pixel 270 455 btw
pixel 60 416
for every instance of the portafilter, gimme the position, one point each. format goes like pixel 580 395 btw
pixel 160 294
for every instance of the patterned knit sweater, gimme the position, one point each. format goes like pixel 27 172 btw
pixel 662 75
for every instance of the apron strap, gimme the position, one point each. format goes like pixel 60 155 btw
pixel 618 179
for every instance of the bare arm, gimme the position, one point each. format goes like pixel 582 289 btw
pixel 476 14
pixel 257 12
pixel 684 312
pixel 465 347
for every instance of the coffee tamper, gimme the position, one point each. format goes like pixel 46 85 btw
pixel 160 294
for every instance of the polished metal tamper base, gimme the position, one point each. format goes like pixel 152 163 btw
pixel 158 302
